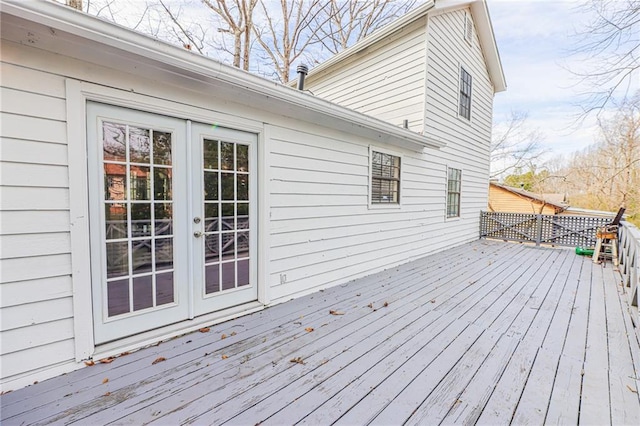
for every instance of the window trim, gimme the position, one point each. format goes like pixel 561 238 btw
pixel 459 193
pixel 371 203
pixel 461 87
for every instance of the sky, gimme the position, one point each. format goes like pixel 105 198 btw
pixel 536 40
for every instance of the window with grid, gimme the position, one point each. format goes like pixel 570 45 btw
pixel 454 183
pixel 385 178
pixel 464 109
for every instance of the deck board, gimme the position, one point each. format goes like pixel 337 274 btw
pixel 487 333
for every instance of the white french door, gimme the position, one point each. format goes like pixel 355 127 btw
pixel 172 220
pixel 224 217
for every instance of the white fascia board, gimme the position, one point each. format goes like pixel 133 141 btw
pixel 292 103
pixel 487 38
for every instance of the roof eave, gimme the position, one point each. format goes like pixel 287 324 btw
pixel 65 19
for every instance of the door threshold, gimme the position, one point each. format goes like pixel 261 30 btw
pixel 152 337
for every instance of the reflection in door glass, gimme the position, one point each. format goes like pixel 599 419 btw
pixel 226 211
pixel 138 209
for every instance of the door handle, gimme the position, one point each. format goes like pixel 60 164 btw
pixel 197 234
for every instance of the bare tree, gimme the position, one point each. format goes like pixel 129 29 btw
pixel 76 4
pixel 350 21
pixel 607 175
pixel 610 47
pixel 514 146
pixel 284 34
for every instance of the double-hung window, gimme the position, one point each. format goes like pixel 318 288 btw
pixel 454 183
pixel 464 105
pixel 385 178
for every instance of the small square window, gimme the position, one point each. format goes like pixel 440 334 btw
pixel 464 107
pixel 454 184
pixel 385 178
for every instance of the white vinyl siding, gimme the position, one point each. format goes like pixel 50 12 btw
pixel 35 283
pixel 385 80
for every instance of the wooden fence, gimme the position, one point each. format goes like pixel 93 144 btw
pixel 541 228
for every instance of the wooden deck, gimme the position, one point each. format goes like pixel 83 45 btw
pixel 487 333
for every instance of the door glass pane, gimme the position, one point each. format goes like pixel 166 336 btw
pixel 210 185
pixel 242 244
pixel 140 219
pixel 228 192
pixel 117 259
pixel 164 288
pixel 228 217
pixel 118 297
pixel 228 275
pixel 228 245
pixel 212 278
pixel 115 178
pixel 211 221
pixel 161 183
pixel 115 221
pixel 140 183
pixel 138 172
pixel 212 248
pixel 114 146
pixel 227 156
pixel 243 272
pixel 139 145
pixel 163 253
pixel 163 218
pixel 210 154
pixel 243 187
pixel 142 292
pixel 243 215
pixel 162 148
pixel 242 158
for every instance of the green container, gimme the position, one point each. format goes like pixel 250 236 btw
pixel 584 251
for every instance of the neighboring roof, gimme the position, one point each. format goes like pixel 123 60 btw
pixel 556 200
pixel 589 212
pixel 67 31
pixel 482 23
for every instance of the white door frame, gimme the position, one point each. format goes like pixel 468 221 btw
pixel 78 94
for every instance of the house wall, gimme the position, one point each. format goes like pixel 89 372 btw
pixel 321 230
pixel 385 80
pixel 501 200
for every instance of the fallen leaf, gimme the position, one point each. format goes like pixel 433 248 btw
pixel 386 304
pixel 125 353
pixel 632 389
pixel 159 359
pixel 224 336
pixel 89 363
pixel 433 300
pixel 308 329
pixel 224 357
pixel 358 294
pixel 370 305
pixel 107 360
pixel 204 330
pixel 332 312
pixel 107 394
pixel 297 360
pixel 105 380
pixel 35 383
pixel 233 333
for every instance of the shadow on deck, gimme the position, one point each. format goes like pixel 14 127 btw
pixel 487 333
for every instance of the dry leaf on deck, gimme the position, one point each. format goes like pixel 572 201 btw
pixel 370 305
pixel 225 356
pixel 433 300
pixel 224 336
pixel 89 363
pixel 125 353
pixel 386 304
pixel 632 389
pixel 233 333
pixel 105 380
pixel 204 330
pixel 332 312
pixel 297 360
pixel 107 394
pixel 308 329
pixel 159 359
pixel 107 360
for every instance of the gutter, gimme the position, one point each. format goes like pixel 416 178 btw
pixel 61 18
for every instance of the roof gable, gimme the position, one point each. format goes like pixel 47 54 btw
pixel 482 21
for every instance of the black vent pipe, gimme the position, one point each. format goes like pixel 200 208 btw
pixel 302 72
